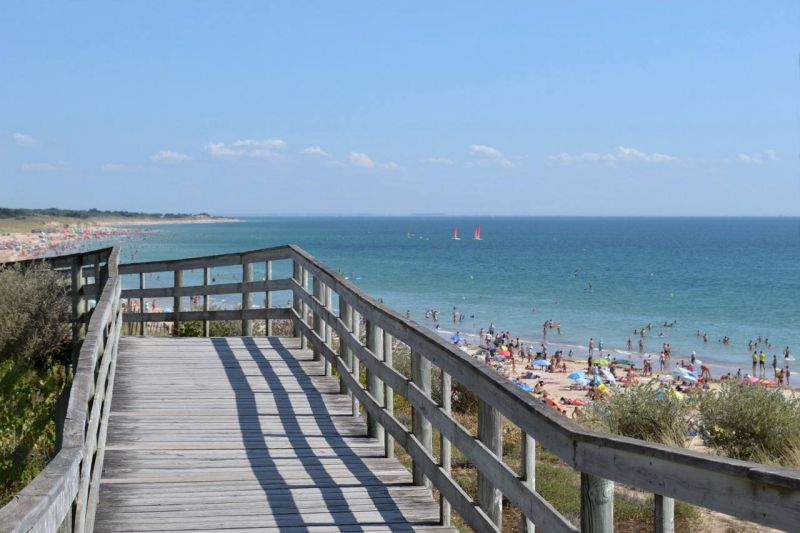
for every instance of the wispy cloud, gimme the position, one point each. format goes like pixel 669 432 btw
pixel 24 140
pixel 263 148
pixel 117 167
pixel 487 156
pixel 362 160
pixel 168 156
pixel 758 158
pixel 620 154
pixel 315 151
pixel 444 161
pixel 39 167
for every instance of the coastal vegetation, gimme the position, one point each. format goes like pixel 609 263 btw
pixel 35 353
pixel 7 212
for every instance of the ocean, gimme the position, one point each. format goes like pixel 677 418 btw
pixel 598 277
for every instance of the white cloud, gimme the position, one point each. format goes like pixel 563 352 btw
pixel 263 148
pixel 772 154
pixel 168 156
pixel 620 154
pixel 37 167
pixel 315 151
pixel 362 160
pixel 747 159
pixel 444 161
pixel 488 156
pixel 24 140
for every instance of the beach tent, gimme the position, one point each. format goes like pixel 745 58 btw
pixel 541 362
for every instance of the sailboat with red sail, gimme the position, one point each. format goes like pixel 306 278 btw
pixel 455 234
pixel 477 234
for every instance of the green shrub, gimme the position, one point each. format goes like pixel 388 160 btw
pixel 34 315
pixel 753 423
pixel 643 412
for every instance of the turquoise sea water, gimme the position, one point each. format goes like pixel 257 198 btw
pixel 736 277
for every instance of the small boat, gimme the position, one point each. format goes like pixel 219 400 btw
pixel 477 235
pixel 455 234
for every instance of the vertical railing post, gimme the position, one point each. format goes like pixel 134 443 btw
pixel 328 294
pixel 355 321
pixel 247 300
pixel 142 324
pixel 528 473
pixel 303 304
pixel 206 283
pixel 597 504
pixel 78 307
pixel 346 315
pixel 388 393
pixel 490 433
pixel 317 319
pixel 297 302
pixel 374 385
pixel 444 445
pixel 421 427
pixel 268 297
pixel 176 301
pixel 664 514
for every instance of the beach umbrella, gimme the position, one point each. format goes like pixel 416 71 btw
pixel 525 387
pixel 456 338
pixel 582 382
pixel 504 347
pixel 683 374
pixel 504 353
pixel 609 376
pixel 600 361
pixel 577 375
pixel 541 362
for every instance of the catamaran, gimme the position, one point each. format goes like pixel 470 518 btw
pixel 455 234
pixel 477 235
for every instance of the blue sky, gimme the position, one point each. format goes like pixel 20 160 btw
pixel 580 108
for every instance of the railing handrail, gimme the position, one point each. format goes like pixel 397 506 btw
pixel 47 501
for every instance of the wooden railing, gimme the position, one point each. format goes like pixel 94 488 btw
pixel 328 312
pixel 64 495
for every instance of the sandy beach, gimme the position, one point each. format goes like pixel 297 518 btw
pixel 42 237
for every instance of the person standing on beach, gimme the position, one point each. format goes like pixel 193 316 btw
pixel 545 327
pixel 787 374
pixel 630 344
pixel 755 360
pixel 762 363
pixel 774 365
pixel 591 346
pixel 641 345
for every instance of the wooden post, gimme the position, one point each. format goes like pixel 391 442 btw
pixel 177 300
pixel 319 295
pixel 297 303
pixel 78 308
pixel 268 297
pixel 421 376
pixel 355 321
pixel 206 283
pixel 444 446
pixel 597 504
pixel 247 300
pixel 528 473
pixel 490 433
pixel 374 385
pixel 142 324
pixel 304 283
pixel 388 393
pixel 346 314
pixel 664 514
pixel 328 293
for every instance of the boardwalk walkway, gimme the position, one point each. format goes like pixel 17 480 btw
pixel 244 434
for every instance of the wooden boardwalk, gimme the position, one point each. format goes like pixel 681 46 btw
pixel 244 434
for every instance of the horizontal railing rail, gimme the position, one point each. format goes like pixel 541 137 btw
pixel 64 495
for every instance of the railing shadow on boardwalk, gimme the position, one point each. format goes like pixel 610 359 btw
pixel 274 486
